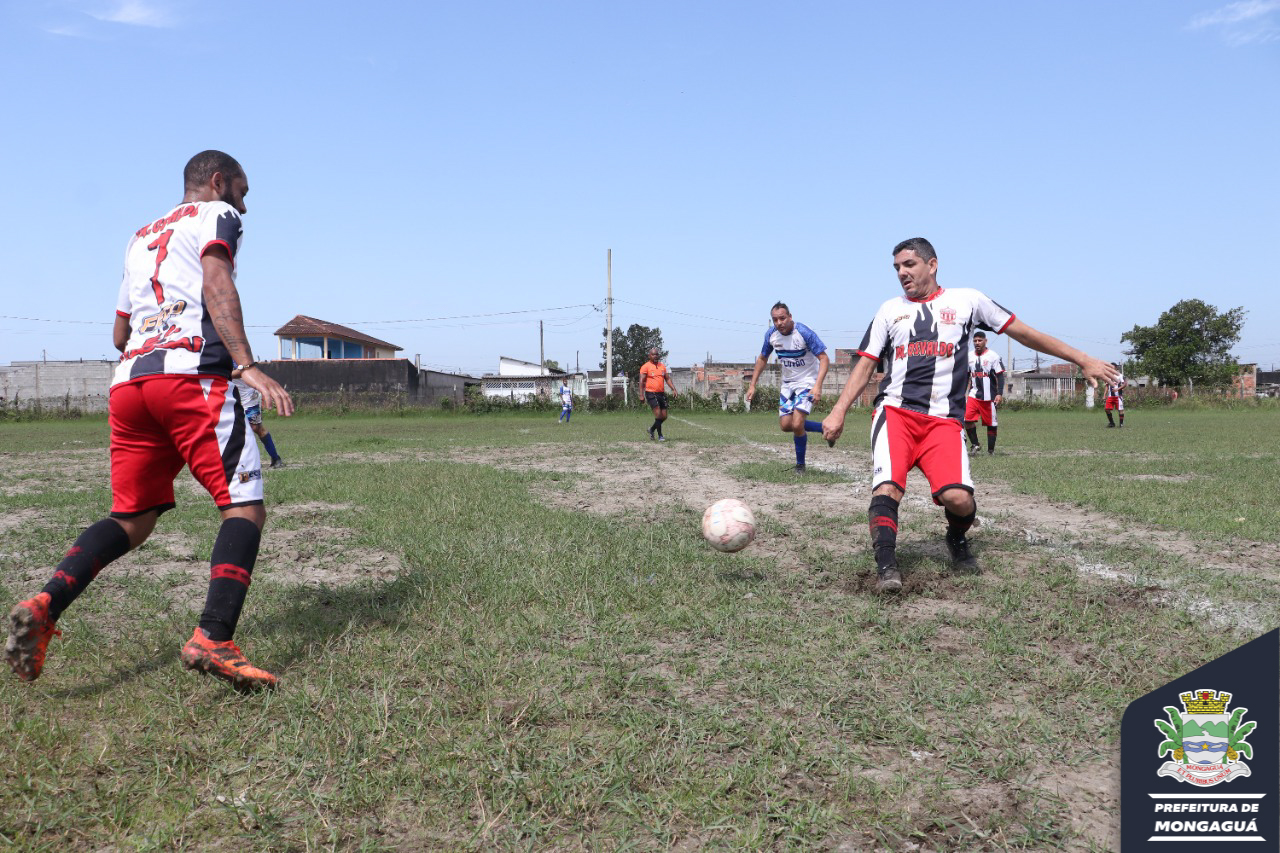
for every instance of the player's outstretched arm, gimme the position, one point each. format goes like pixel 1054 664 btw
pixel 223 303
pixel 1095 369
pixel 833 424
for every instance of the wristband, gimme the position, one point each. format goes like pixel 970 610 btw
pixel 245 367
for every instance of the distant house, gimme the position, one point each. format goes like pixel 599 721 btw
pixel 306 338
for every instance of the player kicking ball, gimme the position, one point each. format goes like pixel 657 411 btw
pixel 922 336
pixel 803 358
pixel 179 328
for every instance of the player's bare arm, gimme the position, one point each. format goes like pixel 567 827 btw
pixel 1095 369
pixel 833 424
pixel 120 333
pixel 823 364
pixel 223 303
pixel 761 361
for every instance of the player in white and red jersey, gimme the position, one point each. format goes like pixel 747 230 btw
pixel 179 329
pixel 1115 399
pixel 922 337
pixel 986 392
pixel 803 358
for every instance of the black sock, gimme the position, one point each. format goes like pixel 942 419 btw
pixel 972 432
pixel 1122 419
pixel 657 426
pixel 958 525
pixel 231 567
pixel 1110 419
pixel 883 516
pixel 991 439
pixel 659 422
pixel 95 547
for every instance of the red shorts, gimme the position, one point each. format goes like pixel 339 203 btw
pixel 160 424
pixel 980 410
pixel 902 440
pixel 1114 404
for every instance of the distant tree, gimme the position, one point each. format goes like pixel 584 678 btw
pixel 1191 342
pixel 632 349
pixel 553 366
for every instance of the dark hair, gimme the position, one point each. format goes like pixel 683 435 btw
pixel 919 245
pixel 982 335
pixel 201 167
pixel 781 305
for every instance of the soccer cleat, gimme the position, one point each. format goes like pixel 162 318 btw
pixel 799 469
pixel 652 437
pixel 30 630
pixel 888 580
pixel 224 660
pixel 973 450
pixel 831 442
pixel 961 558
pixel 277 462
pixel 1111 426
pixel 662 438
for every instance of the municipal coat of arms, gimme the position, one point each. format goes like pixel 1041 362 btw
pixel 1205 742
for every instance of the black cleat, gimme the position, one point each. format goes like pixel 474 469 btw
pixel 277 462
pixel 799 469
pixel 961 558
pixel 888 580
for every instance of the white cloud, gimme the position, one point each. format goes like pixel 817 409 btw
pixel 137 13
pixel 1244 22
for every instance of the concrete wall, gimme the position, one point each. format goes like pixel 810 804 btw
pixel 79 385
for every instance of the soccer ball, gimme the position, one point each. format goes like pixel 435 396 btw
pixel 728 525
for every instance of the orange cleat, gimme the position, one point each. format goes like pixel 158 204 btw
pixel 226 661
pixel 30 630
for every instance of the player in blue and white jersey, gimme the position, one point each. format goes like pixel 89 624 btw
pixel 566 401
pixel 803 358
pixel 922 338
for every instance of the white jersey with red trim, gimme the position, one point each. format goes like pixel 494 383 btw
pixel 923 346
pixel 983 370
pixel 162 293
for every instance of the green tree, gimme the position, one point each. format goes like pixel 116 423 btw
pixel 631 350
pixel 1191 342
pixel 552 365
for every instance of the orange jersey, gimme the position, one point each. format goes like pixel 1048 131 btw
pixel 652 376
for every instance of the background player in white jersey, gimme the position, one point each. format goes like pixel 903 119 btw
pixel 986 392
pixel 251 402
pixel 1115 398
pixel 803 358
pixel 922 337
pixel 180 330
pixel 566 401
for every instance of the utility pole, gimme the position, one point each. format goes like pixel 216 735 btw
pixel 542 353
pixel 608 332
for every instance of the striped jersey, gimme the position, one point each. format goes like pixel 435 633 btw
pixel 249 396
pixel 923 348
pixel 1116 389
pixel 162 293
pixel 797 354
pixel 566 396
pixel 983 370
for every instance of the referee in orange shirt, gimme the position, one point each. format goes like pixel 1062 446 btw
pixel 653 374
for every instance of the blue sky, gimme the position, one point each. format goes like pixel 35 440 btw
pixel 446 175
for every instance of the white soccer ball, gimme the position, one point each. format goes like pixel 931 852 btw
pixel 728 525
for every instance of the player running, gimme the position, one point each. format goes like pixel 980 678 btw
pixel 566 401
pixel 922 337
pixel 803 358
pixel 179 329
pixel 653 374
pixel 1115 398
pixel 251 402
pixel 986 391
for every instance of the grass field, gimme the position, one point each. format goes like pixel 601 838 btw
pixel 497 632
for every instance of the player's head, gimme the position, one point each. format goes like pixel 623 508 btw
pixel 780 314
pixel 916 264
pixel 653 354
pixel 217 176
pixel 979 342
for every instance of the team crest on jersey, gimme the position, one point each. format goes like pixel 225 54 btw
pixel 1205 742
pixel 947 315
